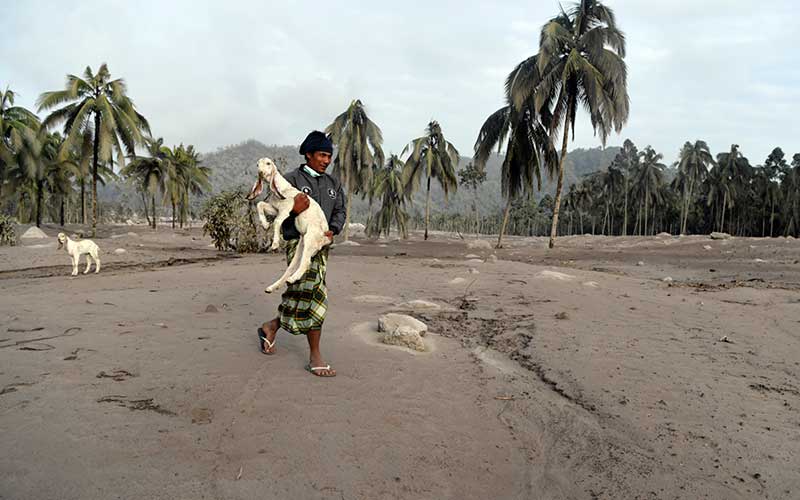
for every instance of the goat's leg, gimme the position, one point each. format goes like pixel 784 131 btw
pixel 74 265
pixel 308 249
pixel 96 256
pixel 88 264
pixel 289 270
pixel 280 216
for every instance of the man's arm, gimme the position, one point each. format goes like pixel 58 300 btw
pixel 339 215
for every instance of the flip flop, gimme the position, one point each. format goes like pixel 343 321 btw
pixel 262 341
pixel 313 369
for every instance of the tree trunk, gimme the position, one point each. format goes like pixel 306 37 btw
pixel 39 196
pixel 153 200
pixel 428 208
pixel 173 215
pixel 722 219
pixel 96 147
pixel 346 228
pixel 772 218
pixel 625 210
pixel 503 226
pixel 83 201
pixel 560 183
pixel 61 211
pixel 646 205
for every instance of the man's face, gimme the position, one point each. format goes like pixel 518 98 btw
pixel 318 161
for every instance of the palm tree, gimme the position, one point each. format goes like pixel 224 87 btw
pixel 734 171
pixel 580 62
pixel 150 173
pixel 195 180
pixel 389 187
pixel 358 141
pixel 472 177
pixel 435 158
pixel 648 182
pixel 100 104
pixel 692 170
pixel 16 123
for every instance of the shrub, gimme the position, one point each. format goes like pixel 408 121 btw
pixel 8 233
pixel 229 221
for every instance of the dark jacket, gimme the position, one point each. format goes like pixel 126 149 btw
pixel 327 191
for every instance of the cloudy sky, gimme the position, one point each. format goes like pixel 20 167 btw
pixel 216 73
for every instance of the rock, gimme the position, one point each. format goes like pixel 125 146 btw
pixel 390 322
pixel 120 251
pixel 707 247
pixel 719 236
pixel 129 222
pixel 474 261
pixel 591 284
pixel 472 256
pixel 420 305
pixel 554 275
pixel 402 330
pixel 472 270
pixel 211 308
pixel 664 234
pixel 668 279
pixel 33 232
pixel 479 245
pixel 759 260
pixel 349 243
pixel 458 281
pixel 405 337
pixel 492 258
pixel 356 227
pixel 640 263
pixel 561 315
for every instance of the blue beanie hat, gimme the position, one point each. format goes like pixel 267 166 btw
pixel 316 141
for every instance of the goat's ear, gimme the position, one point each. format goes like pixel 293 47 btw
pixel 257 188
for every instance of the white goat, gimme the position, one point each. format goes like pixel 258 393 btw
pixel 311 223
pixel 77 248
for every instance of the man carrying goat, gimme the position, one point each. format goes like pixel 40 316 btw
pixel 304 304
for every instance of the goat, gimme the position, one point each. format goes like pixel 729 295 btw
pixel 77 248
pixel 311 223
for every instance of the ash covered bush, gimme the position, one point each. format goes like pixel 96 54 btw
pixel 229 220
pixel 8 232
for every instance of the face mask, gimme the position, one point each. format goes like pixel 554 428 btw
pixel 310 171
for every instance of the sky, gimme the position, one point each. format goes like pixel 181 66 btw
pixel 213 73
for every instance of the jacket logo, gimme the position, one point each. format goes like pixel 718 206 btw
pixel 306 189
pixel 332 193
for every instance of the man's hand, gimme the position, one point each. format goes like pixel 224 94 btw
pixel 329 235
pixel 300 204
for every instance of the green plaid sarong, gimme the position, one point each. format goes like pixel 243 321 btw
pixel 305 302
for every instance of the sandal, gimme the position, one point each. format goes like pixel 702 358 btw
pixel 314 369
pixel 264 344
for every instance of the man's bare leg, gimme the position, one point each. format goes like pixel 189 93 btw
pixel 316 356
pixel 270 328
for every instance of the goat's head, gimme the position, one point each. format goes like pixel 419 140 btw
pixel 62 238
pixel 266 173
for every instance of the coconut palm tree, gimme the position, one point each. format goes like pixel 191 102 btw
pixel 523 133
pixel 358 143
pixel 648 182
pixel 390 189
pixel 693 165
pixel 195 179
pixel 16 123
pixel 101 105
pixel 580 64
pixel 433 157
pixel 150 173
pixel 472 177
pixel 734 172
